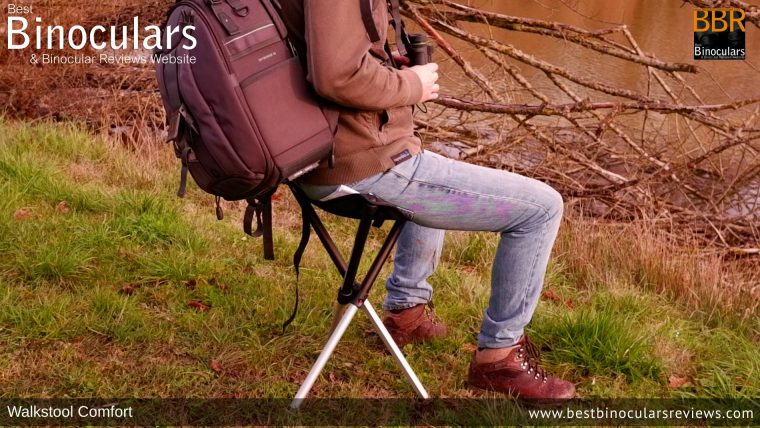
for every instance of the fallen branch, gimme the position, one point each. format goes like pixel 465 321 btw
pixel 619 146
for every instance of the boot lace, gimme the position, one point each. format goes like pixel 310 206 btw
pixel 430 315
pixel 530 355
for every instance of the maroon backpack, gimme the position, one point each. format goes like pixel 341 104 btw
pixel 241 114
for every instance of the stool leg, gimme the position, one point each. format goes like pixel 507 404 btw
pixel 338 313
pixel 393 347
pixel 329 348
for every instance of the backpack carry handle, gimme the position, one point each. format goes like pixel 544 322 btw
pixel 261 209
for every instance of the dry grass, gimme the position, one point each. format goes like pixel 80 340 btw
pixel 640 254
pixel 117 100
pixel 122 102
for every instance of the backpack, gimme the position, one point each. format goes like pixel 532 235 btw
pixel 241 114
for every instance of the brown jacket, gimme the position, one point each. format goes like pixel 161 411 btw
pixel 375 128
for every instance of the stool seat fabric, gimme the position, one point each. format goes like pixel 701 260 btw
pixel 352 206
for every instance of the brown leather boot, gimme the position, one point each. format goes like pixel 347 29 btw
pixel 519 375
pixel 413 325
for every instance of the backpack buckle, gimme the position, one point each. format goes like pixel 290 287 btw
pixel 172 130
pixel 240 9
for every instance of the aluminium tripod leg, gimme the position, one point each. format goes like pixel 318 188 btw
pixel 395 350
pixel 327 351
pixel 338 313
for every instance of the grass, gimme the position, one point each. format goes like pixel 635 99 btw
pixel 112 287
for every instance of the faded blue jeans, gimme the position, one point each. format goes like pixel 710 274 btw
pixel 442 193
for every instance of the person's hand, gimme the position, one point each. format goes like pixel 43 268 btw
pixel 428 74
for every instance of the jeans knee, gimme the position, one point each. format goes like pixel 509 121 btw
pixel 546 206
pixel 555 204
pixel 551 203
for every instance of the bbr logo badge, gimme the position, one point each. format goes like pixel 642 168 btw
pixel 719 33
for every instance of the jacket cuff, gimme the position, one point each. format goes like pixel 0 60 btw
pixel 414 84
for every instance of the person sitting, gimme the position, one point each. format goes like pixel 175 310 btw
pixel 377 151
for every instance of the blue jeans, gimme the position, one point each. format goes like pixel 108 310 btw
pixel 442 193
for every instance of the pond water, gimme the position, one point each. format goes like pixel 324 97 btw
pixel 663 28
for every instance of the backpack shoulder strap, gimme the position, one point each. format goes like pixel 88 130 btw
pixel 399 27
pixel 369 21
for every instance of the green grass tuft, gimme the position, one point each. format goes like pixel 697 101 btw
pixel 599 343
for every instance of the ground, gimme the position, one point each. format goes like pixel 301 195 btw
pixel 111 286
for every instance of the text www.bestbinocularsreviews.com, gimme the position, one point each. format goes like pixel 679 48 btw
pixel 639 414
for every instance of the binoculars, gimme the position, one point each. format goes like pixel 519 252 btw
pixel 418 50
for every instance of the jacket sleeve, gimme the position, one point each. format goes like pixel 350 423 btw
pixel 342 69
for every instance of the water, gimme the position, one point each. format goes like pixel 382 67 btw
pixel 663 28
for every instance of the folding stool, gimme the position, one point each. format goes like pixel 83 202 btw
pixel 370 211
